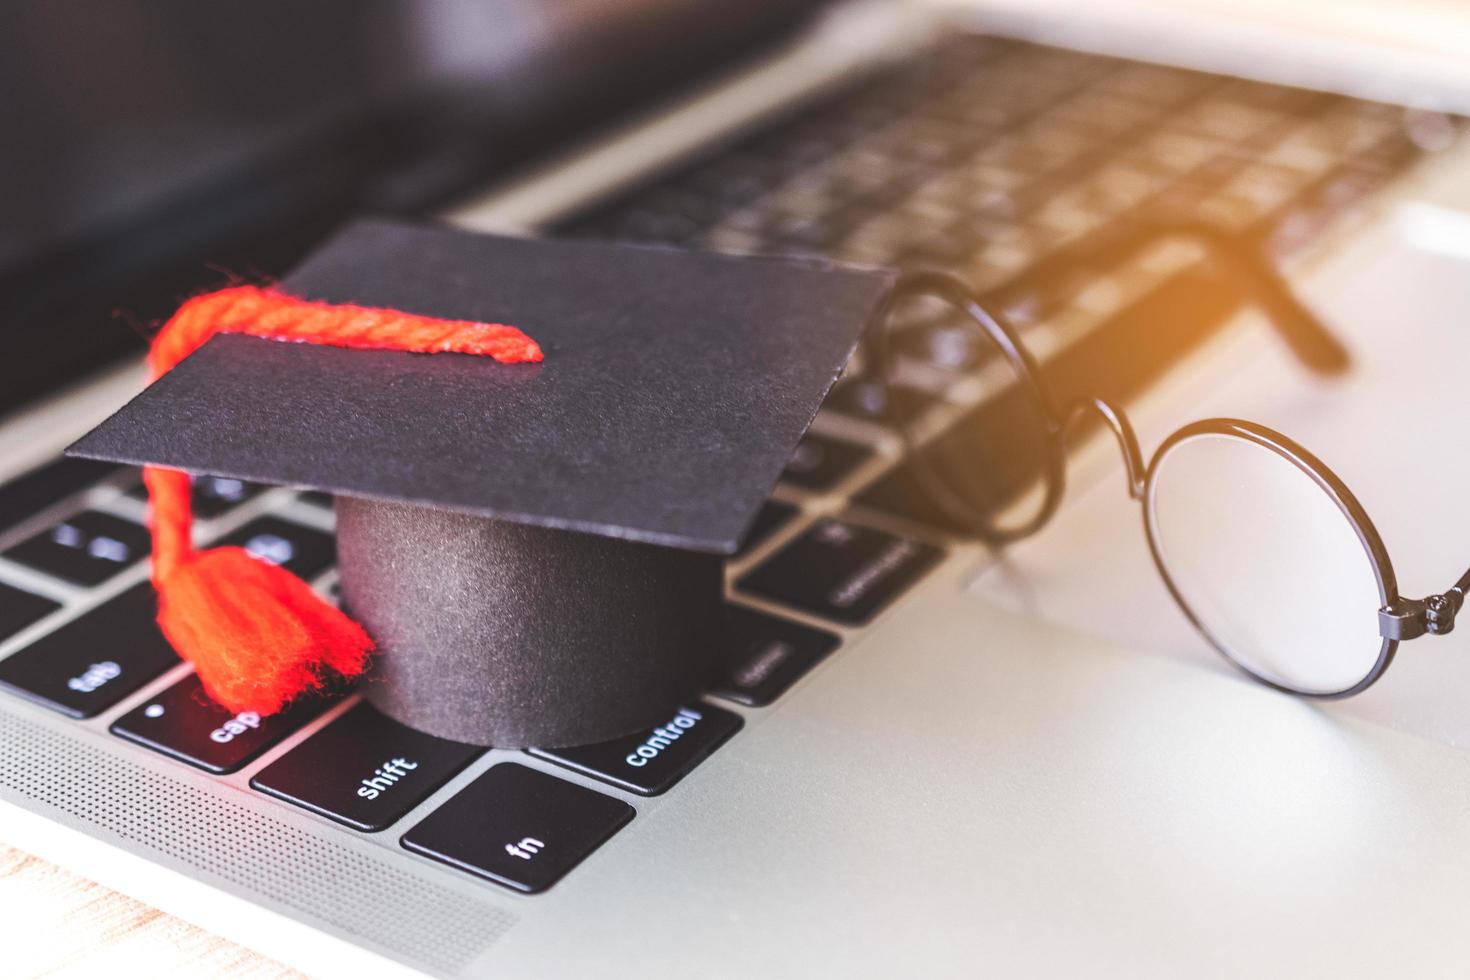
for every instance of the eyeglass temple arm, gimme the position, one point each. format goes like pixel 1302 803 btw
pixel 1309 339
pixel 955 291
pixel 1408 619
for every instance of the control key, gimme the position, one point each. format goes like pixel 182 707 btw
pixel 650 762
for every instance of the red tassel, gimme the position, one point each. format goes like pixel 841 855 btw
pixel 257 635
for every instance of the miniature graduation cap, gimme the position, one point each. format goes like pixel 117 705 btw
pixel 536 484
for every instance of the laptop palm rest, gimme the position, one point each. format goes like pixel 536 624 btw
pixel 964 779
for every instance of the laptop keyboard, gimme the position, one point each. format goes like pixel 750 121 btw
pixel 183 723
pixel 650 763
pixel 985 158
pixel 211 496
pixel 85 549
pixel 364 769
pixel 842 571
pixel 1022 170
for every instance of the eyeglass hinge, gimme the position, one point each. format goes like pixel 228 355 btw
pixel 1408 619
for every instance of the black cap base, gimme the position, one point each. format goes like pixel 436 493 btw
pixel 511 635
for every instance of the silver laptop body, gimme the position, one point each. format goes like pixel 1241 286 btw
pixel 1023 764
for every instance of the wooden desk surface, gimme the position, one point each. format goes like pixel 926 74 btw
pixel 57 924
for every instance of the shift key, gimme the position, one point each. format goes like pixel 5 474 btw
pixel 94 661
pixel 364 769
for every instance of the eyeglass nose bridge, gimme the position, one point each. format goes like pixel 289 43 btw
pixel 1122 429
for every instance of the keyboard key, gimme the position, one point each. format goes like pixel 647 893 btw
pixel 845 572
pixel 31 493
pixel 869 399
pixel 364 769
pixel 996 453
pixel 316 498
pixel 766 654
pixel 649 763
pixel 518 827
pixel 822 462
pixel 768 520
pixel 213 495
pixel 304 551
pixel 183 723
pixel 94 661
pixel 901 493
pixel 948 347
pixel 20 609
pixel 87 549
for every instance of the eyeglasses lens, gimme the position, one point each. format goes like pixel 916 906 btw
pixel 1266 563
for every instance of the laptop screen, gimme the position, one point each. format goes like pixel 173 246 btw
pixel 156 146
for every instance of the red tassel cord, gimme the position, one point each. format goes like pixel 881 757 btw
pixel 257 635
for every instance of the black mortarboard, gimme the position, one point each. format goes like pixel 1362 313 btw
pixel 536 548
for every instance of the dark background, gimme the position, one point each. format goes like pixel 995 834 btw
pixel 163 147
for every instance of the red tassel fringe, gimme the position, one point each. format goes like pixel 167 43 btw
pixel 256 634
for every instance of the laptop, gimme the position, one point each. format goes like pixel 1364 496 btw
pixel 927 758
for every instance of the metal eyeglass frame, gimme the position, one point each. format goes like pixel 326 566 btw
pixel 1399 618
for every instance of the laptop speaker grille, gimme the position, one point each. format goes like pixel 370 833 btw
pixel 356 893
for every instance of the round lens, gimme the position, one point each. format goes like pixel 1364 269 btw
pixel 1266 562
pixel 987 470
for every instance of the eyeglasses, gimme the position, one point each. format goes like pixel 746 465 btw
pixel 1264 548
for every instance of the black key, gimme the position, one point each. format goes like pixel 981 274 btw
pixel 183 723
pixel 842 571
pixel 649 763
pixel 949 347
pixel 821 462
pixel 994 454
pixel 869 399
pixel 991 457
pixel 768 521
pixel 364 769
pixel 317 498
pixel 95 660
pixel 518 827
pixel 88 548
pixel 901 492
pixel 304 551
pixel 31 493
pixel 765 655
pixel 948 247
pixel 213 495
pixel 20 609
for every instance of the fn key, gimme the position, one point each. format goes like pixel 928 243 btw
pixel 518 827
